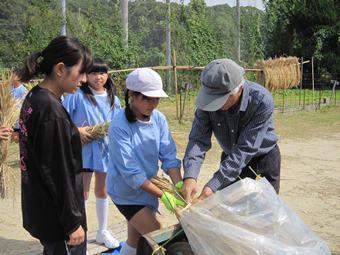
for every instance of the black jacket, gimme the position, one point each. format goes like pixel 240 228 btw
pixel 51 168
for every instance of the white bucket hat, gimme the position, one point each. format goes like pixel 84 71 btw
pixel 146 81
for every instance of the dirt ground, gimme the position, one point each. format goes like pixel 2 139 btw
pixel 309 185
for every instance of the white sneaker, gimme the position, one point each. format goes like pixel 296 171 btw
pixel 106 238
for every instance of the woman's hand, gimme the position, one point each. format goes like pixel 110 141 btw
pixel 77 237
pixel 85 136
pixel 5 133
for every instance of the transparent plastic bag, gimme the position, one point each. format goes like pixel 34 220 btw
pixel 248 217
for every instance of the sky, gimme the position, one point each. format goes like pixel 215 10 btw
pixel 255 3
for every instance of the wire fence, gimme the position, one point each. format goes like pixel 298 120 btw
pixel 302 98
pixel 184 83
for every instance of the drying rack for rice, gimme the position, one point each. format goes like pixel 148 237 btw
pixel 280 73
pixel 9 114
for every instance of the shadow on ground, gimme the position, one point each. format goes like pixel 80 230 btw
pixel 12 246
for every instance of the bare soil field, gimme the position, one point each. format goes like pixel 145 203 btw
pixel 310 177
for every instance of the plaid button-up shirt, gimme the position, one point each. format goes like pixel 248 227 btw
pixel 245 131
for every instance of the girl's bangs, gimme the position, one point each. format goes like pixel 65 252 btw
pixel 99 68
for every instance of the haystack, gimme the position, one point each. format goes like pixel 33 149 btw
pixel 280 73
pixel 9 114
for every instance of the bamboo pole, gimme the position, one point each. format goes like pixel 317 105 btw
pixel 313 81
pixel 301 82
pixel 177 67
pixel 175 83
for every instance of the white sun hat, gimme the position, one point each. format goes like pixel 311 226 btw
pixel 146 81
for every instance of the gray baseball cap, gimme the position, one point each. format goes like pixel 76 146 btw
pixel 218 78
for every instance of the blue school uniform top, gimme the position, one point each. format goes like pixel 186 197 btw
pixel 85 113
pixel 135 150
pixel 18 93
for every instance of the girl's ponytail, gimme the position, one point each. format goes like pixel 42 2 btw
pixel 61 49
pixel 31 67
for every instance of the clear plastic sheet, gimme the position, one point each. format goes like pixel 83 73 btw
pixel 248 217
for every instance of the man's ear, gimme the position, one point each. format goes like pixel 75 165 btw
pixel 59 69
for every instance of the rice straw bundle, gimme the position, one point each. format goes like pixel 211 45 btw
pixel 99 131
pixel 166 186
pixel 163 184
pixel 280 73
pixel 9 114
pixel 31 84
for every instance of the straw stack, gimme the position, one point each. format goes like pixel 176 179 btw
pixel 9 114
pixel 30 85
pixel 99 131
pixel 280 73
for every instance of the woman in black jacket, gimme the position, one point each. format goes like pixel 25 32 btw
pixel 50 149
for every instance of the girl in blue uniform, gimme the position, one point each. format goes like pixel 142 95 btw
pixel 95 103
pixel 139 138
pixel 19 92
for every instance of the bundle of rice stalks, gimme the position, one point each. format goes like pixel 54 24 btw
pixel 166 186
pixel 280 73
pixel 163 184
pixel 99 131
pixel 9 114
pixel 31 84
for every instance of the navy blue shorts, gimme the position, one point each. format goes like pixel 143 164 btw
pixel 87 170
pixel 129 211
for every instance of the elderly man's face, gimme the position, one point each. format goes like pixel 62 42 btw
pixel 232 100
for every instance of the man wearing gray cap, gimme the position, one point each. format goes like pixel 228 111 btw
pixel 240 114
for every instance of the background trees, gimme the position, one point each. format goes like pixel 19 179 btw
pixel 198 33
pixel 304 28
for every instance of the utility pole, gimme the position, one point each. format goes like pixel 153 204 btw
pixel 238 47
pixel 63 16
pixel 168 47
pixel 124 7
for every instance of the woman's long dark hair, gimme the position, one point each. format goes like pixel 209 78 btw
pixel 100 66
pixel 61 49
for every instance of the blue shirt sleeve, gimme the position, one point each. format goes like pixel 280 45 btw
pixel 69 104
pixel 199 143
pixel 167 149
pixel 249 142
pixel 123 155
pixel 118 105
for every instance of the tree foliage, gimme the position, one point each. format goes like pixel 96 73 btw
pixel 198 33
pixel 304 29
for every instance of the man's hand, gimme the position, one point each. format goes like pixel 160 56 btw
pixel 85 136
pixel 77 237
pixel 5 133
pixel 206 192
pixel 189 189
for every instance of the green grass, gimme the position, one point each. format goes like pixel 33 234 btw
pixel 306 125
pixel 302 124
